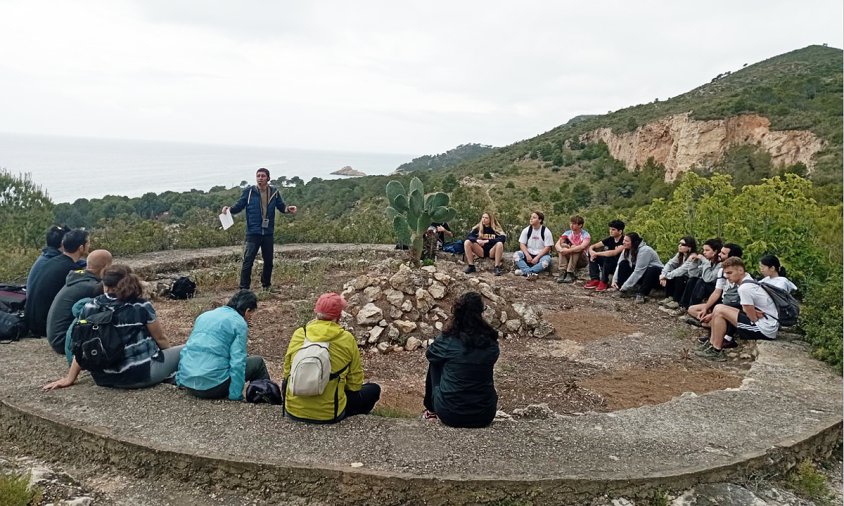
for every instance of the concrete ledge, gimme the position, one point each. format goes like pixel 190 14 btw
pixel 788 408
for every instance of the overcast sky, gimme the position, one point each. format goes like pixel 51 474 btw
pixel 383 76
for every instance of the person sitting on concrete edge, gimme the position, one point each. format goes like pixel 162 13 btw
pixel 260 202
pixel 79 284
pixel 774 272
pixel 323 375
pixel 756 318
pixel 638 268
pixel 214 364
pixel 459 385
pixel 602 257
pixel 724 292
pixel 677 272
pixel 535 243
pixel 54 237
pixel 148 359
pixel 486 240
pixel 50 278
pixel 572 250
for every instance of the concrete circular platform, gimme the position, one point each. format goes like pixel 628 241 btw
pixel 788 406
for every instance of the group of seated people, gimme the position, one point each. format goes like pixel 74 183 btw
pixel 710 284
pixel 214 363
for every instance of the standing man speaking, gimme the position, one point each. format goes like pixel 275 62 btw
pixel 260 202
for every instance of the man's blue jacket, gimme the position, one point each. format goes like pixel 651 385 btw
pixel 250 199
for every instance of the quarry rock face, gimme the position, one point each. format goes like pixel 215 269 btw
pixel 680 143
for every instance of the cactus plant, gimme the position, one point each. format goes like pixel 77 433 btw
pixel 411 213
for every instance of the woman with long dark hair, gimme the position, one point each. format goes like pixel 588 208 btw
pixel 459 387
pixel 638 268
pixel 678 272
pixel 148 359
pixel 774 272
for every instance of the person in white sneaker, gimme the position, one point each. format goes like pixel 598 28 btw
pixel 535 243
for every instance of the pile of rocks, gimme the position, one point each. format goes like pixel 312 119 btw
pixel 405 309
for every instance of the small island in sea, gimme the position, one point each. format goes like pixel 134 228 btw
pixel 347 171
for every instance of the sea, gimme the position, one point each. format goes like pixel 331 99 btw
pixel 69 168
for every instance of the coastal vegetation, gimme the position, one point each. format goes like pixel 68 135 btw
pixel 744 197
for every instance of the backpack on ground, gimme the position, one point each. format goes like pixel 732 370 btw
pixel 12 324
pixel 263 390
pixel 183 288
pixel 13 296
pixel 310 370
pixel 787 306
pixel 95 342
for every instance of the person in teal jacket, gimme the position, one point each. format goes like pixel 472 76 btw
pixel 214 364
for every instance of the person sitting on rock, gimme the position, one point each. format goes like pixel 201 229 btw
pixel 345 394
pixel 214 364
pixel 725 292
pixel 486 240
pixel 699 288
pixel 638 268
pixel 535 243
pixel 459 385
pixel 756 318
pixel 148 357
pixel 571 250
pixel 53 248
pixel 602 257
pixel 677 272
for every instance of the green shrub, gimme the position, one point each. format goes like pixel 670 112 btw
pixel 808 482
pixel 15 491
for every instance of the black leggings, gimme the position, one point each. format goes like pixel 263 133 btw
pixel 646 283
pixel 697 291
pixel 675 287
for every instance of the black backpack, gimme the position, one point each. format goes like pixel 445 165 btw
pixel 96 342
pixel 12 324
pixel 263 390
pixel 787 306
pixel 183 288
pixel 13 296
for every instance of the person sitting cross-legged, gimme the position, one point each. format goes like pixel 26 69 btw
pixel 638 268
pixel 345 393
pixel 459 386
pixel 535 243
pixel 214 364
pixel 755 319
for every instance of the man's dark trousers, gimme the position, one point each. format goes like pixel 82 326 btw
pixel 250 250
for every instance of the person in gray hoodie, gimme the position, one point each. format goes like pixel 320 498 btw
pixel 79 284
pixel 682 269
pixel 638 268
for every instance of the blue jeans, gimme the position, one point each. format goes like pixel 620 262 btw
pixel 250 250
pixel 521 264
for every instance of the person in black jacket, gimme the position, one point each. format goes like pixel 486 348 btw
pixel 260 202
pixel 459 387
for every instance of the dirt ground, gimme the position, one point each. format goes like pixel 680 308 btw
pixel 607 354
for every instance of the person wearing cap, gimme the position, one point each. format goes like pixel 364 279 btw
pixel 346 394
pixel 260 202
pixel 214 364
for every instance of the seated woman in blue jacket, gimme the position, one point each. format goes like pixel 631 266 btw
pixel 459 387
pixel 214 364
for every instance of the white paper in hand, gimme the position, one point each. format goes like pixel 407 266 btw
pixel 226 220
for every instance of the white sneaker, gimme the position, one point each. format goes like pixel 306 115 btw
pixel 518 272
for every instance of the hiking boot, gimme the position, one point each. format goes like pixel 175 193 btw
pixel 532 276
pixel 680 311
pixel 518 272
pixel 729 343
pixel 703 339
pixel 702 345
pixel 625 294
pixel 469 269
pixel 640 299
pixel 691 320
pixel 566 278
pixel 601 287
pixel 498 270
pixel 672 305
pixel 665 301
pixel 269 289
pixel 712 353
pixel 591 284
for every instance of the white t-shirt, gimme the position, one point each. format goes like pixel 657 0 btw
pixel 751 294
pixel 780 282
pixel 535 243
